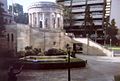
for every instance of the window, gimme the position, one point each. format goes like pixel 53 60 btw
pixel 12 37
pixel 40 24
pixel 8 38
pixel 53 20
pixel 46 22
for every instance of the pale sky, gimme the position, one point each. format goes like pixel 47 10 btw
pixel 26 3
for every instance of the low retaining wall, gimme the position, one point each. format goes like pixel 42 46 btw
pixel 53 65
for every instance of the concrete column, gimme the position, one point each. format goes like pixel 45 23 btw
pixel 32 19
pixel 61 21
pixel 29 19
pixel 55 20
pixel 43 21
pixel 50 22
pixel 37 16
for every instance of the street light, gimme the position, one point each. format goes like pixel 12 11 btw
pixel 110 42
pixel 68 52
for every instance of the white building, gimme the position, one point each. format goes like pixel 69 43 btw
pixel 45 15
pixel 46 24
pixel 115 12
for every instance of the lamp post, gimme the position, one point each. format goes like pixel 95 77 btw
pixel 104 37
pixel 110 42
pixel 87 42
pixel 68 52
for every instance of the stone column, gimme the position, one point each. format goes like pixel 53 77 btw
pixel 61 21
pixel 29 19
pixel 43 21
pixel 32 19
pixel 50 22
pixel 37 16
pixel 55 20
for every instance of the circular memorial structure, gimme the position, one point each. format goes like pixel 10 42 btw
pixel 45 15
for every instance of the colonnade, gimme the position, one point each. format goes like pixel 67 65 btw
pixel 46 20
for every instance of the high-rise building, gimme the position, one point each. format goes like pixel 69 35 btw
pixel 7 17
pixel 19 16
pixel 17 9
pixel 97 13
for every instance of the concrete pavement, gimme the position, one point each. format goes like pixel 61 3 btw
pixel 99 68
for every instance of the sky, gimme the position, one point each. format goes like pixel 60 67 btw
pixel 25 3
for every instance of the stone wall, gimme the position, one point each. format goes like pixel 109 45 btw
pixel 8 42
pixel 40 38
pixel 23 36
pixel 46 39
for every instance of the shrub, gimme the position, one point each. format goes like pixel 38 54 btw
pixel 20 54
pixel 54 51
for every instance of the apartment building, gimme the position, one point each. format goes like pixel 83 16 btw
pixel 97 12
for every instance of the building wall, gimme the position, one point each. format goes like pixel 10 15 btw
pixel 46 39
pixel 40 38
pixel 23 36
pixel 5 4
pixel 11 37
pixel 115 12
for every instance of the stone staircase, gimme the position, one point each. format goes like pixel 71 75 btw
pixel 92 48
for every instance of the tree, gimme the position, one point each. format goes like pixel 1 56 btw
pixel 111 32
pixel 2 23
pixel 88 24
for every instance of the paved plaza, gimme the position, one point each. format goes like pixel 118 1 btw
pixel 99 68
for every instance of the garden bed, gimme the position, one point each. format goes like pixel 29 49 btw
pixel 51 62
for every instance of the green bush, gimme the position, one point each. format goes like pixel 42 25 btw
pixel 54 51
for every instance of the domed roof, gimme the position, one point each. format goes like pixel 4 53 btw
pixel 43 4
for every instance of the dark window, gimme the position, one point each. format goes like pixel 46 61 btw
pixel 40 24
pixel 12 37
pixel 58 22
pixel 8 38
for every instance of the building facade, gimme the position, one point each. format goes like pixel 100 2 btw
pixel 46 26
pixel 7 16
pixel 45 15
pixel 97 12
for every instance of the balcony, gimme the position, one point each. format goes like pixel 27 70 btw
pixel 83 9
pixel 78 10
pixel 78 23
pixel 95 1
pixel 78 16
pixel 97 23
pixel 67 3
pixel 96 9
pixel 97 16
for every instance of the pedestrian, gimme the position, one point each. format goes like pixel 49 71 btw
pixel 12 73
